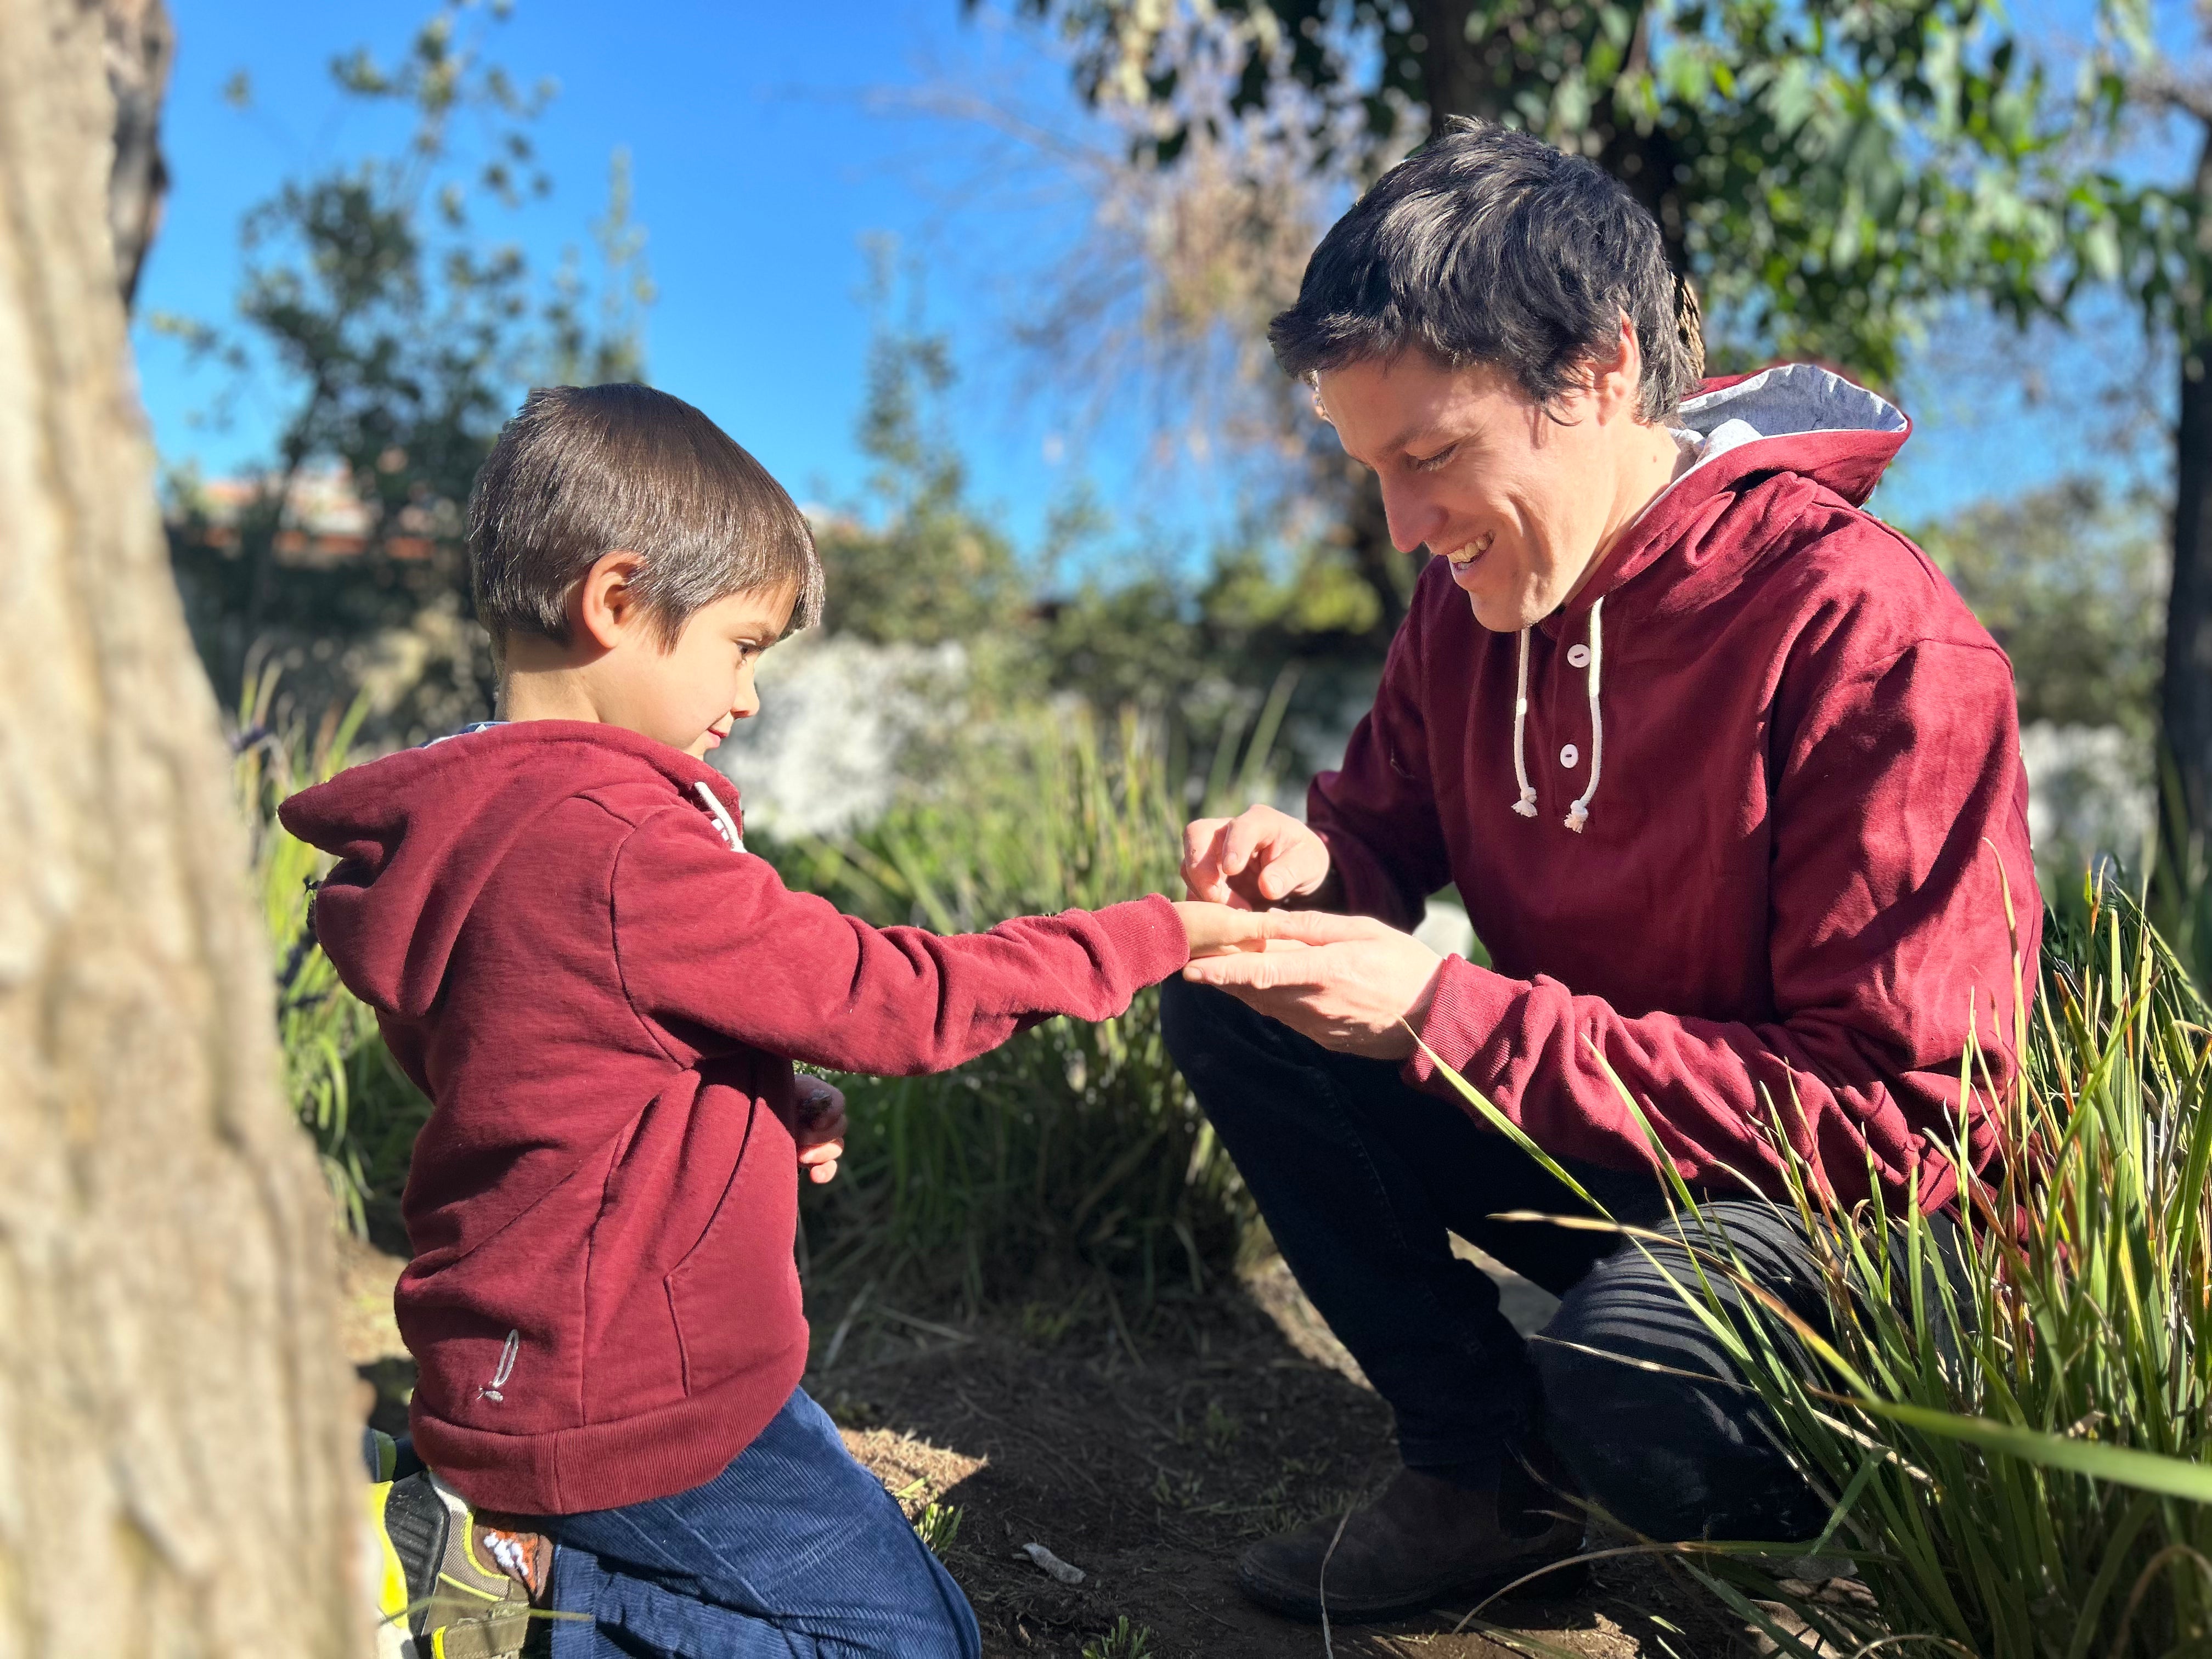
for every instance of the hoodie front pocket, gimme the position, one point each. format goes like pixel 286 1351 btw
pixel 735 1298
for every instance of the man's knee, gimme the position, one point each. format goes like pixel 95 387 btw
pixel 1199 1021
pixel 1254 1074
pixel 1644 1407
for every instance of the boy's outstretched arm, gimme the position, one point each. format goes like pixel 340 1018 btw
pixel 715 949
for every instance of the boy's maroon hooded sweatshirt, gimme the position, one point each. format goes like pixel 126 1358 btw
pixel 1744 844
pixel 602 994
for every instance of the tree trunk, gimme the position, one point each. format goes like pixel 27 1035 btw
pixel 172 1438
pixel 1459 76
pixel 2185 694
pixel 1476 76
pixel 141 44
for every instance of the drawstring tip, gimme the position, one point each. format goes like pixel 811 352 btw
pixel 1526 806
pixel 1576 816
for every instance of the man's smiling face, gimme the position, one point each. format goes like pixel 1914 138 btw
pixel 1520 498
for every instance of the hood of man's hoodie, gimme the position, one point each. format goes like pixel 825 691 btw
pixel 1794 418
pixel 417 833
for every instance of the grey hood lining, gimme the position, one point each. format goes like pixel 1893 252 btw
pixel 1787 401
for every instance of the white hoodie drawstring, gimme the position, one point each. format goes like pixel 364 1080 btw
pixel 716 811
pixel 1526 806
pixel 1578 812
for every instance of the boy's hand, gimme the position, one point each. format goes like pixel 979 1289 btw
pixel 1216 930
pixel 820 1127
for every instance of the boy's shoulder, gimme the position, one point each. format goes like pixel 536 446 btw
pixel 500 825
pixel 472 798
pixel 544 767
pixel 629 775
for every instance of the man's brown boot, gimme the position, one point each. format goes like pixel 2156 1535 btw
pixel 1427 1539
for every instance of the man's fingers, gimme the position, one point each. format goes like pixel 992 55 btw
pixel 1296 864
pixel 1254 860
pixel 1202 874
pixel 1252 831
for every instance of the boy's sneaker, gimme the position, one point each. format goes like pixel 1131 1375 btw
pixel 448 1586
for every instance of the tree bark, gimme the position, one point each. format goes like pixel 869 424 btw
pixel 2185 692
pixel 141 45
pixel 1475 76
pixel 173 1439
pixel 1458 78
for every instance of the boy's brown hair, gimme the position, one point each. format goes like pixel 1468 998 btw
pixel 582 471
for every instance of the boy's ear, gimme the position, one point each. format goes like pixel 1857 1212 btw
pixel 604 607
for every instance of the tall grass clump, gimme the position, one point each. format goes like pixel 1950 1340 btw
pixel 1074 1147
pixel 349 1094
pixel 2014 1454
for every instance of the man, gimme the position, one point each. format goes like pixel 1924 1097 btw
pixel 1728 778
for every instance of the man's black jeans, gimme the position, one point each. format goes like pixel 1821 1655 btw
pixel 1360 1177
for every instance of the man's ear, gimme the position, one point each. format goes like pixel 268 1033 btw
pixel 603 607
pixel 1616 380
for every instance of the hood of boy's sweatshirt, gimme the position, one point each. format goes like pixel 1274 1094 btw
pixel 1794 418
pixel 418 834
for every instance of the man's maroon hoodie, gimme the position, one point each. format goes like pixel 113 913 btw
pixel 602 994
pixel 1744 845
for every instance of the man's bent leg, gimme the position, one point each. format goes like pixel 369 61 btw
pixel 1674 1444
pixel 1359 1178
pixel 793 1551
pixel 1357 1226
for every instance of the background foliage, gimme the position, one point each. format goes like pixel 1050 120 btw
pixel 1834 175
pixel 398 329
pixel 2013 1451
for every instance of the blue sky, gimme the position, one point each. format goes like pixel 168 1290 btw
pixel 763 159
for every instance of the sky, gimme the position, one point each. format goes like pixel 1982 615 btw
pixel 770 144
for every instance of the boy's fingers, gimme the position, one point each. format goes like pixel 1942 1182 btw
pixel 1321 926
pixel 1254 970
pixel 1211 928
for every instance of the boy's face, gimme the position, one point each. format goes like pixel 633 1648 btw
pixel 690 694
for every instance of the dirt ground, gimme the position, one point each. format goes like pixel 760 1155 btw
pixel 1147 1457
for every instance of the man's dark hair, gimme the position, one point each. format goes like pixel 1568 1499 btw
pixel 1490 247
pixel 582 471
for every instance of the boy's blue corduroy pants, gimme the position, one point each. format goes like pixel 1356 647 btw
pixel 794 1550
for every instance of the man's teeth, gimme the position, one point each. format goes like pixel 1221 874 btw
pixel 1474 550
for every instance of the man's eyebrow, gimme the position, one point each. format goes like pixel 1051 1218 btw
pixel 1425 432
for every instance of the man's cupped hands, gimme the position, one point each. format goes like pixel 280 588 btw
pixel 1350 983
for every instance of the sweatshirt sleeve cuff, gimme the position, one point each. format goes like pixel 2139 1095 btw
pixel 1462 1026
pixel 1147 935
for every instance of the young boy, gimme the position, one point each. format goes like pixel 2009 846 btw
pixel 570 952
